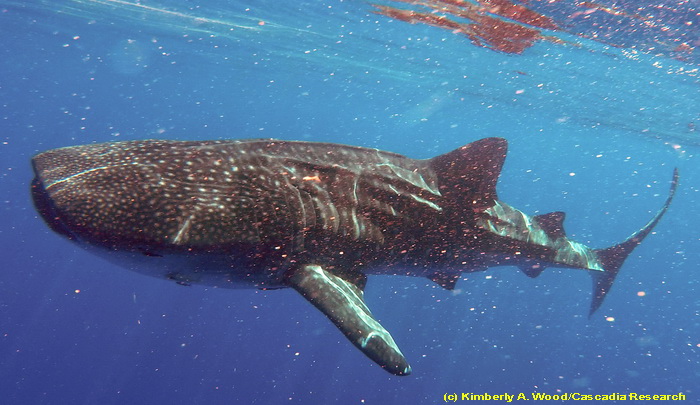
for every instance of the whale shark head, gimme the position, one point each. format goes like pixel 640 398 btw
pixel 91 193
pixel 125 195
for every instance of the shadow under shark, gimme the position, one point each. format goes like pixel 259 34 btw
pixel 316 217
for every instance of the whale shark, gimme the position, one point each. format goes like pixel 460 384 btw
pixel 315 217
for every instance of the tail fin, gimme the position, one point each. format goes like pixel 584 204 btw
pixel 612 258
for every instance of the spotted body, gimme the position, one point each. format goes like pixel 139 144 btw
pixel 312 216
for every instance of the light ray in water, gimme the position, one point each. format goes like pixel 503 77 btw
pixel 170 13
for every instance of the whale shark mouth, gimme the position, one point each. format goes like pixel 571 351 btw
pixel 47 209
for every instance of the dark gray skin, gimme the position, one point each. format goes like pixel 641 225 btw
pixel 316 217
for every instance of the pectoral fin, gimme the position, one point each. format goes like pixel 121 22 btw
pixel 343 303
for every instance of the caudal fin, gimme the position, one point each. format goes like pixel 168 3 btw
pixel 612 258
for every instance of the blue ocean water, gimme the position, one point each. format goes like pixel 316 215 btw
pixel 594 131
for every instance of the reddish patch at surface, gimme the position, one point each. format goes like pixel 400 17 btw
pixel 684 47
pixel 519 13
pixel 592 7
pixel 484 30
pixel 504 36
pixel 512 26
pixel 683 53
pixel 414 17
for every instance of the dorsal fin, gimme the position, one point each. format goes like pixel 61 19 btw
pixel 552 224
pixel 471 170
